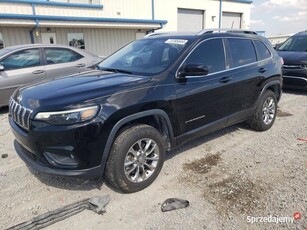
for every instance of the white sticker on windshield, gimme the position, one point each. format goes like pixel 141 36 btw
pixel 176 41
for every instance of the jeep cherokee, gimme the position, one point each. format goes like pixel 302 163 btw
pixel 119 120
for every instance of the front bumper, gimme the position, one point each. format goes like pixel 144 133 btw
pixel 74 151
pixel 295 78
pixel 25 155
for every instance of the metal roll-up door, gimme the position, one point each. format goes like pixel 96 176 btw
pixel 231 20
pixel 190 20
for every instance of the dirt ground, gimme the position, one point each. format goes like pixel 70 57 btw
pixel 228 177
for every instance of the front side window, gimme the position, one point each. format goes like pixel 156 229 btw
pixel 297 44
pixel 242 51
pixel 21 59
pixel 57 56
pixel 262 50
pixel 1 41
pixel 209 54
pixel 76 40
pixel 146 56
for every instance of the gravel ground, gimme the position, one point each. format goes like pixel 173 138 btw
pixel 228 177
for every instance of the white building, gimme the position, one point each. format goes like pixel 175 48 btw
pixel 278 39
pixel 103 26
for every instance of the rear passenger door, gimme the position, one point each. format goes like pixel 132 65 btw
pixel 62 61
pixel 248 71
pixel 203 101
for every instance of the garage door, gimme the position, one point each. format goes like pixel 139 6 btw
pixel 190 20
pixel 231 20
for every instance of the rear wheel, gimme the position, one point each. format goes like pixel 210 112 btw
pixel 265 112
pixel 136 158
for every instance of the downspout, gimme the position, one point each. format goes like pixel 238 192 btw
pixel 36 25
pixel 153 9
pixel 153 17
pixel 220 17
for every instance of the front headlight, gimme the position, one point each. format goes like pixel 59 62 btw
pixel 69 116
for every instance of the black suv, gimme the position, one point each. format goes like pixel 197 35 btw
pixel 147 98
pixel 294 53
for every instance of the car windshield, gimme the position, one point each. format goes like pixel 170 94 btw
pixel 145 57
pixel 298 44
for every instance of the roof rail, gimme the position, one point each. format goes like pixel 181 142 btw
pixel 223 30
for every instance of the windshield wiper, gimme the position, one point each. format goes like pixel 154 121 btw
pixel 114 70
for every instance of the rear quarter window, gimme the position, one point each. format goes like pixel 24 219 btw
pixel 262 50
pixel 242 51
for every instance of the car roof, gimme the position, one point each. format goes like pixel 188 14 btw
pixel 303 34
pixel 40 45
pixel 205 33
pixel 37 45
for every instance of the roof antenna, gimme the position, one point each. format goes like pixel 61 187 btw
pixel 232 24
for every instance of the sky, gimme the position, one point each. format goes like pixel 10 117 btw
pixel 277 17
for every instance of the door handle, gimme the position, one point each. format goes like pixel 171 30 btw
pixel 262 70
pixel 225 79
pixel 80 65
pixel 38 72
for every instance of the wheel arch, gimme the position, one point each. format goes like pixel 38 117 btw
pixel 157 118
pixel 274 86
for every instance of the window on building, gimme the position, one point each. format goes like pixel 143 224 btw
pixel 210 54
pixel 22 59
pixel 76 40
pixel 242 51
pixel 262 50
pixel 57 56
pixel 1 41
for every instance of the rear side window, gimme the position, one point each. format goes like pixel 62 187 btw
pixel 242 51
pixel 57 56
pixel 262 51
pixel 210 53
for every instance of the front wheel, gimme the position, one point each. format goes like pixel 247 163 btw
pixel 136 158
pixel 265 112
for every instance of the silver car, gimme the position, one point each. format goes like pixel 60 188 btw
pixel 23 64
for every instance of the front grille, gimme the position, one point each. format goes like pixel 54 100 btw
pixel 294 66
pixel 20 114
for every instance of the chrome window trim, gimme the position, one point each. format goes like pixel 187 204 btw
pixel 233 68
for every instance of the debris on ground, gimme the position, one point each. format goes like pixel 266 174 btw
pixel 302 139
pixel 96 204
pixel 174 203
pixel 4 155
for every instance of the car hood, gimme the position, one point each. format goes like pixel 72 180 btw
pixel 77 89
pixel 293 58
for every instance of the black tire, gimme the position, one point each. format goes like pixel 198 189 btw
pixel 125 150
pixel 264 115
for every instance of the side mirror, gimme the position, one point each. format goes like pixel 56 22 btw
pixel 1 67
pixel 193 70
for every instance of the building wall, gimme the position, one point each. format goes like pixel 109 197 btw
pixel 168 10
pixel 102 42
pixel 104 38
pixel 15 35
pixel 140 9
pixel 278 39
